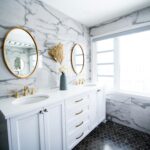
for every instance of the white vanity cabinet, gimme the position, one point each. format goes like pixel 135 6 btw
pixel 54 123
pixel 101 106
pixel 42 129
pixel 93 109
pixel 77 119
pixel 59 123
pixel 26 131
pixel 97 108
pixel 83 113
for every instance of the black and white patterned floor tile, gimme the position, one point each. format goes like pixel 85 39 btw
pixel 113 136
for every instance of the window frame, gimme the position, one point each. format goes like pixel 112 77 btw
pixel 94 63
pixel 115 35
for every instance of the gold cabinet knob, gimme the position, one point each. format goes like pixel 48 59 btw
pixel 16 95
pixel 32 91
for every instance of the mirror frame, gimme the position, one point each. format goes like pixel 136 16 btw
pixel 74 70
pixel 4 57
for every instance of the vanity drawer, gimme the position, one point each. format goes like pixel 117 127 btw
pixel 76 112
pixel 78 135
pixel 77 123
pixel 77 101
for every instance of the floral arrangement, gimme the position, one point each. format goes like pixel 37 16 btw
pixel 63 69
pixel 57 53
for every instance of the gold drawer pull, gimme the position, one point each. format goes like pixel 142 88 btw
pixel 79 112
pixel 79 124
pixel 80 136
pixel 79 100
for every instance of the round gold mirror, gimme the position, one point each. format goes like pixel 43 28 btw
pixel 77 59
pixel 20 52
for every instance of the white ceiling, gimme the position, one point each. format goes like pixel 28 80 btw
pixel 93 12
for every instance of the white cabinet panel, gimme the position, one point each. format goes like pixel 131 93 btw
pixel 77 119
pixel 97 108
pixel 39 130
pixel 76 122
pixel 78 135
pixel 53 119
pixel 93 109
pixel 101 106
pixel 26 131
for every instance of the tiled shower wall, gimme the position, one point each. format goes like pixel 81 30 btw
pixel 130 110
pixel 126 109
pixel 49 27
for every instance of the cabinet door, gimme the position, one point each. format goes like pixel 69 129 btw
pixel 93 109
pixel 27 131
pixel 54 127
pixel 101 106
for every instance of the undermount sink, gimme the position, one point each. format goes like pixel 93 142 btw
pixel 30 99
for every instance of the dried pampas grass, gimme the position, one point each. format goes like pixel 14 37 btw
pixel 57 53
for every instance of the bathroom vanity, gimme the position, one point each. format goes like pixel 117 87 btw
pixel 51 119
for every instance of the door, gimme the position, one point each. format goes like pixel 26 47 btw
pixel 101 106
pixel 27 131
pixel 93 109
pixel 54 127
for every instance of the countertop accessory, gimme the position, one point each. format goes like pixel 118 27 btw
pixel 63 84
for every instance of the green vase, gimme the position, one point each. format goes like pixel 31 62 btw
pixel 63 82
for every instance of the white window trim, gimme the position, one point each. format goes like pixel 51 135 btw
pixel 124 31
pixel 94 64
pixel 114 35
pixel 116 65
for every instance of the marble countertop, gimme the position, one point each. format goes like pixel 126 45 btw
pixel 8 109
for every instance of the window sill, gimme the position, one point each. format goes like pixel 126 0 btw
pixel 130 94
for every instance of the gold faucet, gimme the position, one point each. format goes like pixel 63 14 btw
pixel 16 95
pixel 33 90
pixel 26 91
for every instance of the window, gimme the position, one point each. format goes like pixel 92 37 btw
pixel 105 62
pixel 135 62
pixel 124 62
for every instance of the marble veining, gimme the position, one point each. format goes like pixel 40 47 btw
pixel 138 102
pixel 129 110
pixel 126 22
pixel 49 27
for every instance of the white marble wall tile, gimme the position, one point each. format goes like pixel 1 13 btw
pixel 119 111
pixel 133 20
pixel 129 110
pixel 140 114
pixel 49 27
